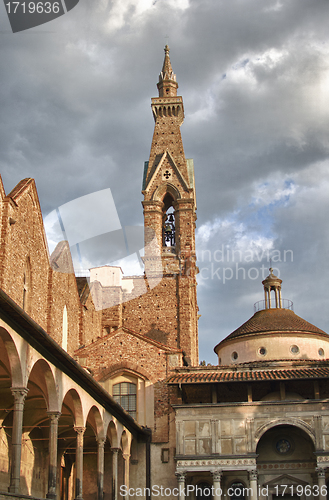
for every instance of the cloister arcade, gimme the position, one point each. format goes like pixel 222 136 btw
pixel 61 435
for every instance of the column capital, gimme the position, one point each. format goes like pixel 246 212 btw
pixel 180 475
pixel 54 415
pixel 79 430
pixel 321 471
pixel 126 456
pixel 19 393
pixel 216 474
pixel 101 442
pixel 115 450
pixel 253 475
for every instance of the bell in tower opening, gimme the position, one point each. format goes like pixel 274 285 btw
pixel 169 236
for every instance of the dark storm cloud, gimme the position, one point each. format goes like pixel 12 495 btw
pixel 254 75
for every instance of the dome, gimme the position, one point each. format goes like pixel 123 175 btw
pixel 275 321
pixel 273 334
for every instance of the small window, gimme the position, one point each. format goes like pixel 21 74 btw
pixel 125 394
pixel 262 351
pixel 165 455
pixel 321 352
pixel 235 355
pixel 294 349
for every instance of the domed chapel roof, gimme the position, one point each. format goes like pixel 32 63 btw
pixel 275 321
pixel 277 330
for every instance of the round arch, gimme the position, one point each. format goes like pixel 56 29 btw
pixel 126 439
pixel 294 422
pixel 72 401
pixel 113 435
pixel 41 375
pixel 95 420
pixel 131 369
pixel 10 358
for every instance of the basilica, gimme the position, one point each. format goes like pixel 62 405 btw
pixel 102 394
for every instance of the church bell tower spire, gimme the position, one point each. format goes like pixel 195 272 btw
pixel 167 85
pixel 170 208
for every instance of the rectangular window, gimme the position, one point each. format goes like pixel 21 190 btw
pixel 125 394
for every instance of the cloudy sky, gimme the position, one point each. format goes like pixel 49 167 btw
pixel 254 75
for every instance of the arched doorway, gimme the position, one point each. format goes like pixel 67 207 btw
pixel 203 491
pixel 236 491
pixel 285 460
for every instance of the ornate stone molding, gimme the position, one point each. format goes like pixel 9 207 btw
pixel 280 466
pixel 228 462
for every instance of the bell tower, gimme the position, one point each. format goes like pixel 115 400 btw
pixel 170 209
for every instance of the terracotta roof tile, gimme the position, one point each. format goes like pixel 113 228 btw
pixel 254 375
pixel 274 321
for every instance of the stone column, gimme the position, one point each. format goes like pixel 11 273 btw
pixel 19 394
pixel 181 484
pixel 269 297
pixel 79 463
pixel 126 458
pixel 115 452
pixel 100 468
pixel 216 478
pixel 253 484
pixel 52 471
pixel 321 482
pixel 276 298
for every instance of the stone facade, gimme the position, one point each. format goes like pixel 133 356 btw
pixel 256 425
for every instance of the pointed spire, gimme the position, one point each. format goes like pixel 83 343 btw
pixel 167 79
pixel 167 72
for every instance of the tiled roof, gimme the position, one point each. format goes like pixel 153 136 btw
pixel 245 376
pixel 276 321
